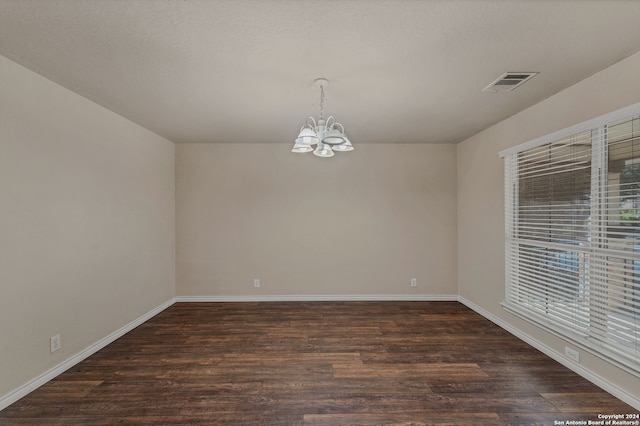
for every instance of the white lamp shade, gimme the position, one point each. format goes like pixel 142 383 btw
pixel 307 136
pixel 324 151
pixel 344 147
pixel 333 137
pixel 300 147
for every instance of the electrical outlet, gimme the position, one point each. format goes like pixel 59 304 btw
pixel 414 282
pixel 572 354
pixel 54 343
pixel 256 283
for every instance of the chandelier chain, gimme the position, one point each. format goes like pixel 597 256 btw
pixel 322 102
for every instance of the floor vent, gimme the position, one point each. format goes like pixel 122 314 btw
pixel 509 81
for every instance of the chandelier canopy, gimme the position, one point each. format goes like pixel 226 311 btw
pixel 327 135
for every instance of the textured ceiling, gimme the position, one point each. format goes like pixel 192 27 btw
pixel 242 70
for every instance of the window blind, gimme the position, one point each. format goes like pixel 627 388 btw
pixel 572 236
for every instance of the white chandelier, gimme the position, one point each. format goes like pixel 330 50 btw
pixel 327 135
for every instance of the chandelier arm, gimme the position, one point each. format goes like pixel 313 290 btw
pixel 330 122
pixel 341 127
pixel 313 124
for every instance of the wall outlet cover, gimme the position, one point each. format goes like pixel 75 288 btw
pixel 572 354
pixel 54 343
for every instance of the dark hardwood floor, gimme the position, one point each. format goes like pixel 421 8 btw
pixel 316 363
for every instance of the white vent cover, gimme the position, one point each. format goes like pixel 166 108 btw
pixel 509 81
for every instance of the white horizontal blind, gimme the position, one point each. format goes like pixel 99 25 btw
pixel 572 222
pixel 616 277
pixel 551 211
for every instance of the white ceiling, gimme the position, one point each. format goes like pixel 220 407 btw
pixel 242 70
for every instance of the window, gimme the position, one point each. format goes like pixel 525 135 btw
pixel 572 229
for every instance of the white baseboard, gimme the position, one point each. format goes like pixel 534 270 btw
pixel 325 298
pixel 43 378
pixel 552 353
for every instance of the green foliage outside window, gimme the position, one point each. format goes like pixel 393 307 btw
pixel 630 194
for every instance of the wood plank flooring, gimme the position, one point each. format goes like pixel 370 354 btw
pixel 316 363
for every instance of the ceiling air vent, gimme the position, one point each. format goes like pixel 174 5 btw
pixel 509 81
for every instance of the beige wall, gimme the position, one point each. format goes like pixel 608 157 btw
pixel 87 223
pixel 480 194
pixel 363 222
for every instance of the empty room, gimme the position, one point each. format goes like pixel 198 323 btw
pixel 288 212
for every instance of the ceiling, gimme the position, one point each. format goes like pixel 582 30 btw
pixel 233 71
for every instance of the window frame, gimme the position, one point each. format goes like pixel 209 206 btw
pixel 583 338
